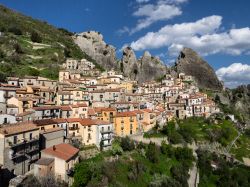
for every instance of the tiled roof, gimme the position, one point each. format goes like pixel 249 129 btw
pixel 88 121
pixel 45 161
pixel 42 122
pixel 52 130
pixel 72 120
pixel 100 109
pixel 91 112
pixel 25 113
pixel 147 110
pixel 60 120
pixel 46 107
pixel 18 128
pixel 66 108
pixel 63 151
pixel 126 114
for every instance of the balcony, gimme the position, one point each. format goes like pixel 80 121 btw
pixel 106 138
pixel 32 149
pixel 23 142
pixel 106 144
pixel 33 158
pixel 106 131
pixel 73 128
pixel 70 172
pixel 17 155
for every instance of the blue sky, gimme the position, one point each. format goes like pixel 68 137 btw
pixel 217 29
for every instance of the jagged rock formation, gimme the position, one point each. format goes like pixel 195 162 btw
pixel 129 65
pixel 92 44
pixel 237 101
pixel 144 69
pixel 190 63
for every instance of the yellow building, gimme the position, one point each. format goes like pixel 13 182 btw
pixel 105 114
pixel 128 86
pixel 126 123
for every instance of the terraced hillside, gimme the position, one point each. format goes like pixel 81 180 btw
pixel 33 47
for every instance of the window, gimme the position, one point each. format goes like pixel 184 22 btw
pixel 30 136
pixel 15 139
pixel 5 120
pixel 102 128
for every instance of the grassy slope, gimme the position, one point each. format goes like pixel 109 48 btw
pixel 46 60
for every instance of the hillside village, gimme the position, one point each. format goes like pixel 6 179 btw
pixel 42 119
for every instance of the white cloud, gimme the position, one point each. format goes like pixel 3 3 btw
pixel 202 35
pixel 149 13
pixel 170 33
pixel 154 13
pixel 235 74
pixel 123 30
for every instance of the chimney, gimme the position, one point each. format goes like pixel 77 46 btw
pixel 54 147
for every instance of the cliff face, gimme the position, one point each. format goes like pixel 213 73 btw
pixel 92 44
pixel 146 68
pixel 190 63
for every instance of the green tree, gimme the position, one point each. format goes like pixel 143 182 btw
pixel 152 152
pixel 82 175
pixel 127 144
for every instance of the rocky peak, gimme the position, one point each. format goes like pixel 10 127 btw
pixel 190 63
pixel 128 56
pixel 146 68
pixel 92 43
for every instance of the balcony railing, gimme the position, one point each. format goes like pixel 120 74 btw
pixel 17 155
pixel 73 128
pixel 23 142
pixel 106 144
pixel 70 172
pixel 106 131
pixel 32 149
pixel 106 137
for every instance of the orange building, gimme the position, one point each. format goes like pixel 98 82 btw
pixel 126 123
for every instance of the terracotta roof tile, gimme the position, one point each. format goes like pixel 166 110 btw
pixel 46 107
pixel 126 114
pixel 18 128
pixel 63 151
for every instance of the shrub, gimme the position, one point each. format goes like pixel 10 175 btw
pixel 127 144
pixel 18 48
pixel 175 138
pixel 35 37
pixel 15 30
pixel 152 153
pixel 2 54
pixel 116 148
pixel 167 149
pixel 82 174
